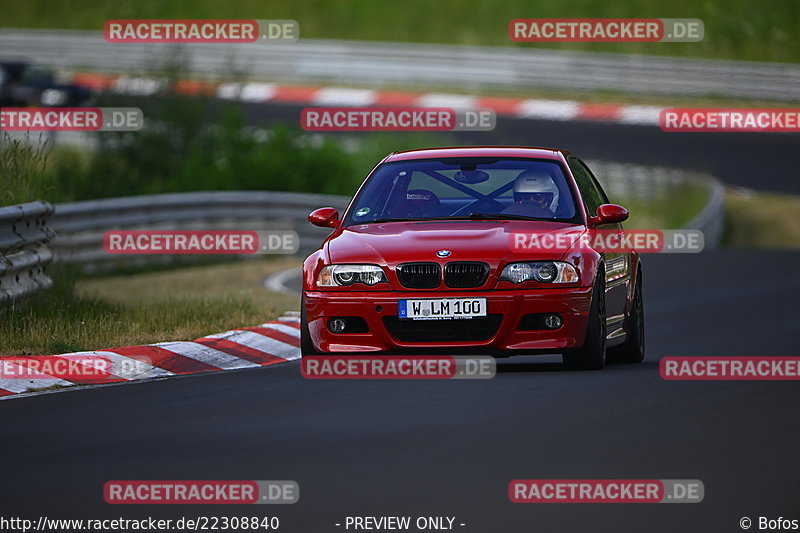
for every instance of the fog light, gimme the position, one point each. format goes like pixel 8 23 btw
pixel 553 321
pixel 337 325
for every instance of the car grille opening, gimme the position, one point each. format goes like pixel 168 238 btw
pixel 465 275
pixel 419 275
pixel 457 330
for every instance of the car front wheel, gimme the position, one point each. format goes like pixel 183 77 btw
pixel 592 355
pixel 632 351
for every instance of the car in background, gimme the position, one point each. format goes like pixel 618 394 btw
pixel 423 261
pixel 23 84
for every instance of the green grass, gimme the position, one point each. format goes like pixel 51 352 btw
pixel 88 314
pixel 664 212
pixel 763 220
pixel 22 171
pixel 734 29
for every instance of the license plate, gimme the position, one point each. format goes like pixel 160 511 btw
pixel 443 308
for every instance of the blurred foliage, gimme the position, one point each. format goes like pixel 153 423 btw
pixel 761 219
pixel 22 169
pixel 663 211
pixel 193 143
pixel 179 153
pixel 84 314
pixel 734 29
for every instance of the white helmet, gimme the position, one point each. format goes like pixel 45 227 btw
pixel 537 187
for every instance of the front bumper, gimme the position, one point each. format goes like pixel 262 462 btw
pixel 511 305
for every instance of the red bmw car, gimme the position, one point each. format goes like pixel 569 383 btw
pixel 433 256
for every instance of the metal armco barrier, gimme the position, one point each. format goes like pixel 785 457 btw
pixel 711 220
pixel 23 255
pixel 81 225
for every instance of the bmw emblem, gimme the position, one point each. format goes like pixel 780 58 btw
pixel 443 253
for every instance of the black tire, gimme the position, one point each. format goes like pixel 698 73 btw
pixel 306 346
pixel 592 355
pixel 633 349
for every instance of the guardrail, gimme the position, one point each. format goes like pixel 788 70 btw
pixel 81 225
pixel 23 254
pixel 711 220
pixel 402 64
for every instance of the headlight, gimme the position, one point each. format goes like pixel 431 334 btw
pixel 344 275
pixel 542 272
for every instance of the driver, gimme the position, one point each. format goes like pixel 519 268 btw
pixel 535 195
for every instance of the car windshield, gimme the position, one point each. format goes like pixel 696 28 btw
pixel 465 188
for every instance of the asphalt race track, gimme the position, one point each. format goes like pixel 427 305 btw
pixel 450 448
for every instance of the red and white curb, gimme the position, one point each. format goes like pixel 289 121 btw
pixel 260 92
pixel 273 342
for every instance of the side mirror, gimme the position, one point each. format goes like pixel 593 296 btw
pixel 324 217
pixel 609 214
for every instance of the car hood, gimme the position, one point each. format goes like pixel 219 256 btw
pixel 490 241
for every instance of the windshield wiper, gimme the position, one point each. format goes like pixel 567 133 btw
pixel 425 219
pixel 497 216
pixel 472 216
pixel 381 220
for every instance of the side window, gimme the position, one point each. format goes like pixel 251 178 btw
pixel 593 195
pixel 596 183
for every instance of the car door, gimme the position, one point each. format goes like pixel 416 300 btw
pixel 617 263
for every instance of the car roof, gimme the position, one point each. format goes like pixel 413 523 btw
pixel 479 151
